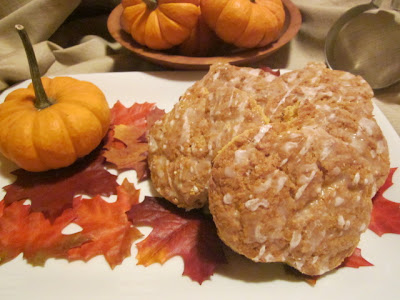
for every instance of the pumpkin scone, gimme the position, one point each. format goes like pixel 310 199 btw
pixel 184 142
pixel 274 202
pixel 250 80
pixel 358 131
pixel 339 102
pixel 318 85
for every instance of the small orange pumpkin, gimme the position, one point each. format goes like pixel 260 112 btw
pixel 245 23
pixel 52 122
pixel 159 24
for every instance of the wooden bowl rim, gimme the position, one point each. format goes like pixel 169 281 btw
pixel 292 25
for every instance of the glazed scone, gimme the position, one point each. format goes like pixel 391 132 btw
pixel 358 131
pixel 317 85
pixel 250 80
pixel 184 142
pixel 294 195
pixel 339 102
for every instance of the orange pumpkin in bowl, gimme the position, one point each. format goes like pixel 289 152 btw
pixel 245 23
pixel 159 24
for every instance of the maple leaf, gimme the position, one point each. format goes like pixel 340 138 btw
pixel 13 231
pixel 140 115
pixel 134 153
pixel 126 143
pixel 107 225
pixel 356 260
pixel 30 233
pixel 385 216
pixel 53 191
pixel 176 232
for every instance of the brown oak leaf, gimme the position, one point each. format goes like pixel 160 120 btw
pixel 176 232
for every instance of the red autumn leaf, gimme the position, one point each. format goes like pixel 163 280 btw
pixel 269 70
pixel 23 231
pixel 356 260
pixel 385 217
pixel 53 191
pixel 133 155
pixel 107 225
pixel 176 232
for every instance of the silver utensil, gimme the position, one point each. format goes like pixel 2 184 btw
pixel 366 41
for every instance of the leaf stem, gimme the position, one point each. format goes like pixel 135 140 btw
pixel 41 100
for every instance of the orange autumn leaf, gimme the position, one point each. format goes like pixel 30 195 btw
pixel 13 230
pixel 385 217
pixel 30 233
pixel 126 143
pixel 133 155
pixel 176 232
pixel 138 115
pixel 107 225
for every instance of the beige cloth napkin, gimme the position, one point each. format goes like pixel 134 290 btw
pixel 70 37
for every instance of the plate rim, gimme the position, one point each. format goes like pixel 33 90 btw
pixel 292 24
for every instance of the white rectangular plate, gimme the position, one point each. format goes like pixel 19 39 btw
pixel 240 279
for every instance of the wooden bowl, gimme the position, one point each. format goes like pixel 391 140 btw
pixel 234 56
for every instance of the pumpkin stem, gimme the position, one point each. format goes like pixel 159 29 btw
pixel 41 98
pixel 151 4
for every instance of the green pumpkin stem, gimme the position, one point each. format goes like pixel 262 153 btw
pixel 41 100
pixel 151 4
